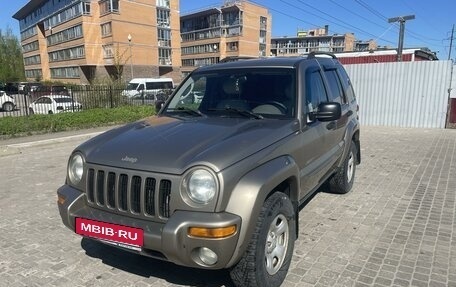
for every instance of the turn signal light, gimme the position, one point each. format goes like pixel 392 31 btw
pixel 61 199
pixel 212 232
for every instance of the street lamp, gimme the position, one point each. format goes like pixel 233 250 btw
pixel 131 57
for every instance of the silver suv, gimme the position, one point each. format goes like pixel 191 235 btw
pixel 217 183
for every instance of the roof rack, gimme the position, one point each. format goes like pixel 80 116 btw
pixel 317 53
pixel 236 58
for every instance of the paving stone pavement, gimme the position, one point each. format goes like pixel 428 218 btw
pixel 396 228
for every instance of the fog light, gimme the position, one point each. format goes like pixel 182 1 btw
pixel 207 256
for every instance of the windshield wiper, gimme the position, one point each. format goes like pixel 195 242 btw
pixel 187 110
pixel 245 113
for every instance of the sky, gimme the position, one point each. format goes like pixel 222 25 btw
pixel 367 19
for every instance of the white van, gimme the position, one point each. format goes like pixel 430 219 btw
pixel 148 86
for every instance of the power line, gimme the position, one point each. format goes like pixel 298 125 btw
pixel 356 14
pixel 372 10
pixel 330 21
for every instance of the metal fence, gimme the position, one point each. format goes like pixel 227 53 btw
pixel 407 94
pixel 89 97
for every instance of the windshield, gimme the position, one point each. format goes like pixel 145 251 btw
pixel 268 92
pixel 132 86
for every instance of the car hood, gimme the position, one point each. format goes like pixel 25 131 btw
pixel 172 145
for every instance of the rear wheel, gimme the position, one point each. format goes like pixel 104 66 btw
pixel 8 107
pixel 342 181
pixel 268 255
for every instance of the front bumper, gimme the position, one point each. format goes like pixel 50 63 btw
pixel 167 241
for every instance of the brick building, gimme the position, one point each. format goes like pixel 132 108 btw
pixel 236 29
pixel 311 41
pixel 82 40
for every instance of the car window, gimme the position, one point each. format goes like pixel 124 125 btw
pixel 315 90
pixel 337 93
pixel 270 92
pixel 62 100
pixel 346 84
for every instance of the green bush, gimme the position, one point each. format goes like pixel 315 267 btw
pixel 35 124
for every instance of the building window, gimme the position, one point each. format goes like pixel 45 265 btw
pixel 33 46
pixel 164 57
pixel 66 15
pixel 109 6
pixel 262 50
pixel 108 51
pixel 164 38
pixel 86 8
pixel 34 73
pixel 263 23
pixel 200 49
pixel 200 62
pixel 232 18
pixel 163 17
pixel 67 54
pixel 65 73
pixel 32 60
pixel 106 29
pixel 163 3
pixel 30 32
pixel 232 46
pixel 65 35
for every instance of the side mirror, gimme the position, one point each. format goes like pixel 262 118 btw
pixel 328 112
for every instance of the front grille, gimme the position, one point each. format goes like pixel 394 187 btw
pixel 137 194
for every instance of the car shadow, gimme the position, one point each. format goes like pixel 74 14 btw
pixel 148 267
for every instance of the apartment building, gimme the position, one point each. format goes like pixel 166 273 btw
pixel 82 40
pixel 312 40
pixel 236 29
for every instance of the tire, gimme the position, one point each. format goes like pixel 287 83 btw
pixel 268 256
pixel 8 107
pixel 342 181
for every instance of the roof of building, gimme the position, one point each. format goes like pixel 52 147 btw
pixel 31 6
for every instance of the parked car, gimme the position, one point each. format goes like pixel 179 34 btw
pixel 219 182
pixel 31 87
pixel 7 102
pixel 11 88
pixel 54 104
pixel 49 90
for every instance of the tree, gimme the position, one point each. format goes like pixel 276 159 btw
pixel 11 60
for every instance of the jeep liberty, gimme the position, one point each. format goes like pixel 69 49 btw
pixel 215 180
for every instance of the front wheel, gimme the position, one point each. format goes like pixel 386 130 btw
pixel 268 256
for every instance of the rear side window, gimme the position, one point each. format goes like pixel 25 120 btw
pixel 159 85
pixel 346 84
pixel 337 93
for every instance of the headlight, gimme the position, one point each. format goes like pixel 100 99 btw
pixel 201 186
pixel 76 168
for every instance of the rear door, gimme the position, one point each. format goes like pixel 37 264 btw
pixel 337 94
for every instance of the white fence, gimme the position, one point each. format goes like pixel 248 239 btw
pixel 407 94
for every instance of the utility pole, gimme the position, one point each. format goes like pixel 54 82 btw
pixel 401 20
pixel 451 43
